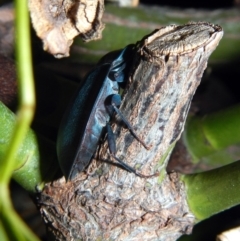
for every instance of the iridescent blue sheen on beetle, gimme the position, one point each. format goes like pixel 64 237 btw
pixel 86 117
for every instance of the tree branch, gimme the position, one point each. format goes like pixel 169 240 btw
pixel 109 203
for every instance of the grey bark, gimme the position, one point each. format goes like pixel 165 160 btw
pixel 108 203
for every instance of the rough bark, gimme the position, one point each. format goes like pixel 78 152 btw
pixel 108 203
pixel 58 22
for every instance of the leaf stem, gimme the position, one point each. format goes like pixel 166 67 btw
pixel 25 87
pixel 213 191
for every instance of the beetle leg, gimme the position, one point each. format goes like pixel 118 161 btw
pixel 112 149
pixel 111 140
pixel 131 169
pixel 116 101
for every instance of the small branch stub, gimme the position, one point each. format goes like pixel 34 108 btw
pixel 111 204
pixel 57 22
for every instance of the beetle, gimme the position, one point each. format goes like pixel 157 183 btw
pixel 84 120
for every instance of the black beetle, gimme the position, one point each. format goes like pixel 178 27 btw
pixel 83 122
